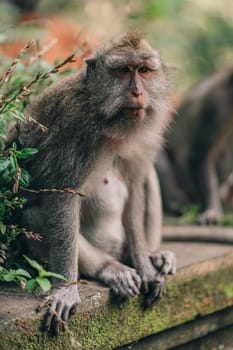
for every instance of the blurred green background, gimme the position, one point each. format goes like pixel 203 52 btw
pixel 194 37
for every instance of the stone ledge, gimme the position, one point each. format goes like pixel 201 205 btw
pixel 190 331
pixel 203 286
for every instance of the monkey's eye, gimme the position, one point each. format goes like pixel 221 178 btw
pixel 124 69
pixel 143 69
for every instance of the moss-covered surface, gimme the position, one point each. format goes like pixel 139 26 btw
pixel 109 325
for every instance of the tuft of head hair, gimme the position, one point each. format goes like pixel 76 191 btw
pixel 131 40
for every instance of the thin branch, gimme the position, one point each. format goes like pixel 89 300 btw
pixel 53 190
pixel 30 119
pixel 43 50
pixel 28 234
pixel 13 65
pixel 24 90
pixel 17 178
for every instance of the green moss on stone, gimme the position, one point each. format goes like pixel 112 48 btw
pixel 112 325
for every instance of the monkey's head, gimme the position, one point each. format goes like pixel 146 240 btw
pixel 128 83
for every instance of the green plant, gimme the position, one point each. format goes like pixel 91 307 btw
pixel 24 278
pixel 18 83
pixel 209 46
pixel 18 276
pixel 42 280
pixel 189 215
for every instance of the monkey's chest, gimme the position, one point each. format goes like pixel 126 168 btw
pixel 102 209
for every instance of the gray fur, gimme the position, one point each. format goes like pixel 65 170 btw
pixel 92 135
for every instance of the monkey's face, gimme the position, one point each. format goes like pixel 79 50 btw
pixel 128 83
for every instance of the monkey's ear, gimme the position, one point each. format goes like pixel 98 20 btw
pixel 91 62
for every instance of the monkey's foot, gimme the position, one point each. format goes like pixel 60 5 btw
pixel 122 280
pixel 156 289
pixel 209 217
pixel 164 262
pixel 61 304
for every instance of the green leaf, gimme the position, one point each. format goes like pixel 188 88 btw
pixel 23 273
pixel 26 152
pixel 13 162
pixel 9 276
pixel 31 285
pixel 25 178
pixel 2 228
pixel 34 264
pixel 16 114
pixel 52 274
pixel 4 163
pixel 14 146
pixel 44 283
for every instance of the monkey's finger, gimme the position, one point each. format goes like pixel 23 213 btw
pixel 155 293
pixel 66 313
pixel 145 286
pixel 122 289
pixel 49 317
pixel 74 309
pixel 57 318
pixel 132 286
pixel 169 265
pixel 137 279
pixel 133 290
pixel 157 261
pixel 133 293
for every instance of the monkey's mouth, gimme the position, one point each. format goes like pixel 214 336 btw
pixel 136 112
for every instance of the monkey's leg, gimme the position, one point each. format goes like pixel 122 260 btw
pixel 213 211
pixel 207 176
pixel 173 195
pixel 94 262
pixel 226 190
pixel 208 182
pixel 164 262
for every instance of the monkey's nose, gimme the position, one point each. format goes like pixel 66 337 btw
pixel 136 92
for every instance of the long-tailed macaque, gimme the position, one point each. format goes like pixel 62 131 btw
pixel 105 126
pixel 198 143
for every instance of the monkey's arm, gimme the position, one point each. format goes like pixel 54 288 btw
pixel 61 224
pixel 142 242
pixel 153 210
pixel 95 263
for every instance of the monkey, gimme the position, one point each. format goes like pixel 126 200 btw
pixel 197 146
pixel 105 127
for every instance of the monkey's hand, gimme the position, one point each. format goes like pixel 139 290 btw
pixel 122 280
pixel 61 304
pixel 209 217
pixel 164 263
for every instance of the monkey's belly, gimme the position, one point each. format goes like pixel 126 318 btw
pixel 108 235
pixel 101 220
